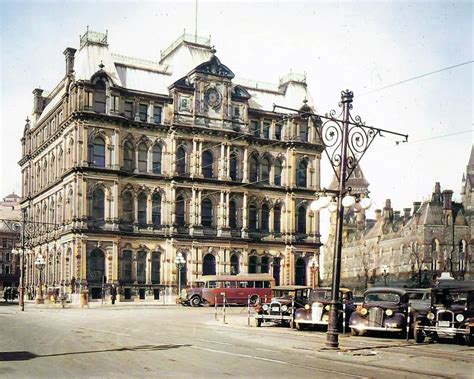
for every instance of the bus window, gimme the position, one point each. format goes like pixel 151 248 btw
pixel 242 284
pixel 266 284
pixel 258 284
pixel 250 284
pixel 230 284
pixel 212 284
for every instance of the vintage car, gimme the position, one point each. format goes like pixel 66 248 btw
pixel 280 310
pixel 451 314
pixel 384 309
pixel 419 299
pixel 316 311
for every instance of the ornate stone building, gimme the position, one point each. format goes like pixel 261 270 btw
pixel 409 248
pixel 139 160
pixel 9 267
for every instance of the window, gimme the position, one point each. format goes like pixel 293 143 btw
pixel 180 211
pixel 181 161
pixel 265 217
pixel 115 104
pixel 277 172
pixel 252 217
pixel 236 111
pixel 126 273
pixel 278 128
pixel 233 166
pixel 254 128
pixel 98 204
pixel 252 265
pixel 266 129
pixel 155 268
pixel 277 219
pixel 98 152
pixel 304 130
pixel 301 174
pixel 143 112
pixel 156 159
pixel 128 157
pixel 142 199
pixel 206 213
pixel 156 209
pixel 265 265
pixel 253 169
pixel 265 171
pixel 232 214
pixel 234 265
pixel 207 161
pixel 141 267
pixel 142 157
pixel 128 109
pixel 157 110
pixel 99 97
pixel 301 220
pixel 127 207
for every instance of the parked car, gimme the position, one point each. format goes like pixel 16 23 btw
pixel 451 314
pixel 420 299
pixel 384 309
pixel 316 311
pixel 285 299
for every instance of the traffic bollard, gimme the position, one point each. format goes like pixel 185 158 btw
pixel 248 310
pixel 223 309
pixel 343 318
pixel 215 307
pixel 408 321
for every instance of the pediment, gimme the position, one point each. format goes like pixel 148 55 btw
pixel 240 93
pixel 214 67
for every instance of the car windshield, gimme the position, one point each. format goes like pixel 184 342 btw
pixel 323 295
pixel 284 294
pixel 451 297
pixel 417 296
pixel 382 297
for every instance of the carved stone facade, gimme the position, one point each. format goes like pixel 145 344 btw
pixel 138 161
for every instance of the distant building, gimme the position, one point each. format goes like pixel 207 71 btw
pixel 9 237
pixel 409 248
pixel 138 161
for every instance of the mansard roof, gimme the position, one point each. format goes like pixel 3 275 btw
pixel 214 67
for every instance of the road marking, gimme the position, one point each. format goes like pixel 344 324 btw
pixel 270 350
pixel 217 342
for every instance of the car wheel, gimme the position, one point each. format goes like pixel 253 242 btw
pixel 419 336
pixel 254 299
pixel 195 301
pixel 300 326
pixel 258 323
pixel 469 338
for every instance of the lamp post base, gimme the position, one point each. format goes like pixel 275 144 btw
pixel 332 336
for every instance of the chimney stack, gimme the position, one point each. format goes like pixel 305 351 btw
pixel 416 206
pixel 436 198
pixel 38 103
pixel 447 199
pixel 406 213
pixel 69 54
pixel 378 214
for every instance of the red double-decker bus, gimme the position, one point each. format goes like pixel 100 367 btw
pixel 237 289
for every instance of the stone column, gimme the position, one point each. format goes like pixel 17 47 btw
pixel 193 161
pixel 149 206
pixel 245 176
pixel 244 217
pixel 199 207
pixel 227 165
pixel 222 165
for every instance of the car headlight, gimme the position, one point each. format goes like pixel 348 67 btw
pixel 389 312
pixel 459 318
pixel 307 306
pixel 284 308
pixel 363 311
pixel 265 307
pixel 327 307
pixel 430 316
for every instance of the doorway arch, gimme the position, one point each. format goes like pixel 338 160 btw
pixel 209 265
pixel 300 272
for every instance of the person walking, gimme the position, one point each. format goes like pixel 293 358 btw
pixel 113 293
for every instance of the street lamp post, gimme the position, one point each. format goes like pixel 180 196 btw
pixel 179 262
pixel 385 274
pixel 345 142
pixel 315 271
pixel 39 264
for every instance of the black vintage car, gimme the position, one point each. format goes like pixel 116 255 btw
pixel 280 310
pixel 451 314
pixel 316 311
pixel 384 309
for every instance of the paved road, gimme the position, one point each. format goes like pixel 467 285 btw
pixel 159 341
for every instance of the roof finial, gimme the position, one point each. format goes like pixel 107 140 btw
pixel 101 65
pixel 213 50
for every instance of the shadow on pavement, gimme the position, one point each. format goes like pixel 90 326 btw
pixel 26 355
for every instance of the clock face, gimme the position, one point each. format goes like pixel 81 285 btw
pixel 213 98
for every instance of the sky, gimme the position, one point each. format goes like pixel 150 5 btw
pixel 361 46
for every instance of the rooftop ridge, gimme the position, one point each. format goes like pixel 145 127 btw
pixel 139 63
pixel 258 85
pixel 186 37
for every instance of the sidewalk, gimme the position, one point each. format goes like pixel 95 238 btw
pixel 92 304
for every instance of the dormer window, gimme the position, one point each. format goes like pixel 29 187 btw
pixel 99 97
pixel 254 128
pixel 143 112
pixel 236 112
pixel 128 109
pixel 157 110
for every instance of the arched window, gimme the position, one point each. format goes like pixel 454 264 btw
pixel 265 171
pixel 128 156
pixel 277 172
pixel 156 209
pixel 304 130
pixel 276 270
pixel 265 265
pixel 98 152
pixel 184 270
pixel 232 214
pixel 265 217
pixel 277 219
pixel 156 159
pixel 126 267
pixel 209 265
pixel 127 207
pixel 180 211
pixel 98 204
pixel 253 177
pixel 99 97
pixel 96 266
pixel 462 256
pixel 142 200
pixel 142 157
pixel 252 264
pixel 301 174
pixel 301 220
pixel 155 268
pixel 234 264
pixel 233 166
pixel 206 213
pixel 181 161
pixel 141 267
pixel 252 217
pixel 434 255
pixel 300 272
pixel 207 162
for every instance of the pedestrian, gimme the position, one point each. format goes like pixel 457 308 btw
pixel 113 293
pixel 6 294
